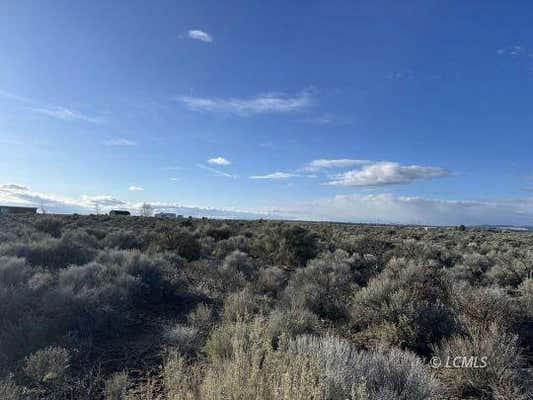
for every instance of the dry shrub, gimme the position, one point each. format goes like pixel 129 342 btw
pixel 510 271
pixel 9 390
pixel 500 379
pixel 116 387
pixel 271 280
pixel 182 337
pixel 181 379
pixel 478 308
pixel 201 317
pixel 311 367
pixel 291 322
pixel 240 305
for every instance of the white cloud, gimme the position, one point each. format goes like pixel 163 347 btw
pixel 66 114
pixel 387 173
pixel 219 161
pixel 275 176
pixel 263 104
pixel 216 171
pixel 13 186
pixel 316 165
pixel 20 195
pixel 9 195
pixel 135 189
pixel 119 142
pixel 200 35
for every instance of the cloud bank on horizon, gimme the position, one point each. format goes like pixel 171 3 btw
pixel 384 208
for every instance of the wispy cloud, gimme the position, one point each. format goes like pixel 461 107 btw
pixel 202 36
pixel 317 165
pixel 58 112
pixel 216 171
pixel 219 161
pixel 102 200
pixel 328 119
pixel 262 104
pixel 13 96
pixel 135 189
pixel 387 173
pixel 119 142
pixel 275 176
pixel 66 114
pixel 515 51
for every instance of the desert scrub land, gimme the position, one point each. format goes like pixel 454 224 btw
pixel 99 307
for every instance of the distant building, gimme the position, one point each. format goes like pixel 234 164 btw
pixel 165 215
pixel 8 210
pixel 119 213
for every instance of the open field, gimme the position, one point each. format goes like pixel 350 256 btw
pixel 146 308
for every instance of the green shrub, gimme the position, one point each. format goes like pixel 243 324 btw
pixel 50 225
pixel 289 246
pixel 123 240
pixel 46 366
pixel 72 248
pixel 180 240
pixel 236 270
pixel 407 305
pixel 324 286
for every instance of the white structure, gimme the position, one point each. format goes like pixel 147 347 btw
pixel 165 215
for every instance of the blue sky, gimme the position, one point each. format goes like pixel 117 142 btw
pixel 357 111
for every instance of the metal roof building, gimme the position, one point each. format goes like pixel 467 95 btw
pixel 9 210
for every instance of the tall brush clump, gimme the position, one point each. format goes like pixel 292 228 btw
pixel 497 376
pixel 407 305
pixel 307 367
pixel 181 378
